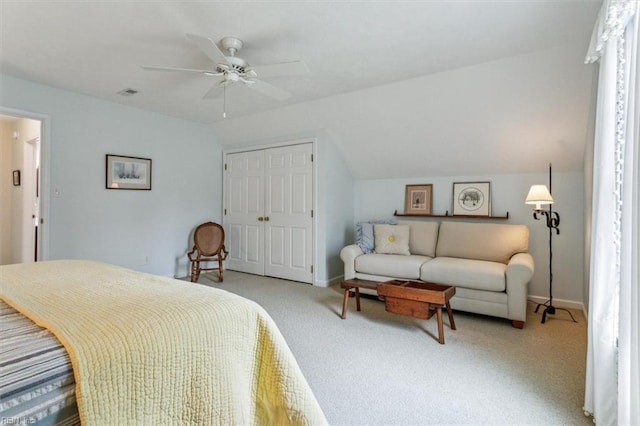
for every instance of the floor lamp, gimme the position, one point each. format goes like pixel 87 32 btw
pixel 540 195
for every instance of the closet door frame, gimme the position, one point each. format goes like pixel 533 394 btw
pixel 314 187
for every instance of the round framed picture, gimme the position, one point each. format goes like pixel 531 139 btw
pixel 471 198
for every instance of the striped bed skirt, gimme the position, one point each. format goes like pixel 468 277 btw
pixel 36 377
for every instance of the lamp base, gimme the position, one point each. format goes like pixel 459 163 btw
pixel 551 310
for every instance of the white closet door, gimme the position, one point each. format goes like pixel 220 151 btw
pixel 268 212
pixel 244 192
pixel 288 212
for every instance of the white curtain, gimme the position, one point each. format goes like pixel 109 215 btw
pixel 628 333
pixel 612 393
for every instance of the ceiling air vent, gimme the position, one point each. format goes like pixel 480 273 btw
pixel 127 92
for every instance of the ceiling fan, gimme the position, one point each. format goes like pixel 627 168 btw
pixel 234 69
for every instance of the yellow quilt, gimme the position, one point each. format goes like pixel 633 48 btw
pixel 153 350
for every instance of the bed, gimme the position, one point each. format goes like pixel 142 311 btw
pixel 92 343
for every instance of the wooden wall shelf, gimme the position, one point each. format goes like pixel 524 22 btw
pixel 451 216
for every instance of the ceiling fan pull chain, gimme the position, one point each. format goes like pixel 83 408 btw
pixel 224 101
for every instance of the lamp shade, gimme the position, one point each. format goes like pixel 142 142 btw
pixel 539 195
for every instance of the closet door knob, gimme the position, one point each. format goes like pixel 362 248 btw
pixel 266 219
pixel 261 218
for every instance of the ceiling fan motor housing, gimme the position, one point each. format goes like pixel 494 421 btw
pixel 238 65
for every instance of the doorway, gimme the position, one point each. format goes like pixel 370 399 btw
pixel 268 211
pixel 21 219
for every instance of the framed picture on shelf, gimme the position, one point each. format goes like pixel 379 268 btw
pixel 472 198
pixel 128 172
pixel 418 199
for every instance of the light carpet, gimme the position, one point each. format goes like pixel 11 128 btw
pixel 377 368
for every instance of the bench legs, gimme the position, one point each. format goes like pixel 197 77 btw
pixel 345 300
pixel 441 325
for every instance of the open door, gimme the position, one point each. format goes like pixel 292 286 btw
pixel 31 200
pixel 21 211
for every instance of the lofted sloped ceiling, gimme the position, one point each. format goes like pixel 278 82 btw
pixel 360 55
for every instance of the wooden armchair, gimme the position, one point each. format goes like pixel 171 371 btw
pixel 208 246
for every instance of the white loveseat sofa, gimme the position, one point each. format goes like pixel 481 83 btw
pixel 489 264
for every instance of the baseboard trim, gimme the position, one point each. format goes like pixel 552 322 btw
pixel 330 282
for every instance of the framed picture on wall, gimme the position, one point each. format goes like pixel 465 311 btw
pixel 472 198
pixel 418 199
pixel 128 172
pixel 16 178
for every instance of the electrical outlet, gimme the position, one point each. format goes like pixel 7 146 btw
pixel 57 192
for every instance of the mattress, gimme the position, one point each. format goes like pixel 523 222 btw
pixel 36 376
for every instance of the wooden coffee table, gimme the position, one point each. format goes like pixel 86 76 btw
pixel 417 299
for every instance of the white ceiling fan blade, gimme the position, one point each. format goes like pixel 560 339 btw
pixel 209 48
pixel 250 74
pixel 215 91
pixel 269 90
pixel 283 69
pixel 207 72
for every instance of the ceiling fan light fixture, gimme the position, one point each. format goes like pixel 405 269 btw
pixel 231 77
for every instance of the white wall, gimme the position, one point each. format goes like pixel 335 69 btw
pixel 335 210
pixel 122 227
pixel 377 199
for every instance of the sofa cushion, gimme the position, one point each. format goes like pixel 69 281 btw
pixel 364 234
pixel 423 237
pixel 391 265
pixel 468 273
pixel 364 237
pixel 391 239
pixel 482 241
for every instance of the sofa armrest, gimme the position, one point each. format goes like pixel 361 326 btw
pixel 519 272
pixel 348 255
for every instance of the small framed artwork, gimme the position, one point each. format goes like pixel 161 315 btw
pixel 16 178
pixel 418 199
pixel 472 198
pixel 128 172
